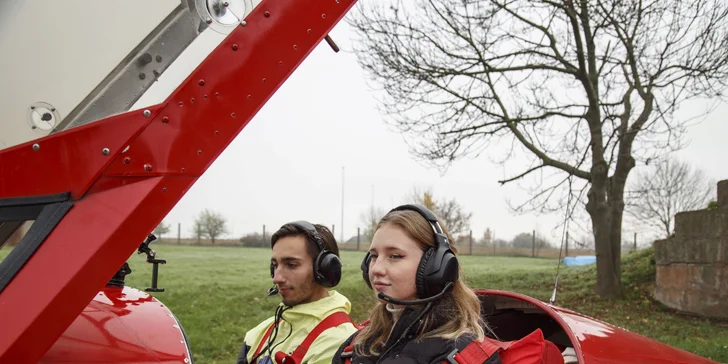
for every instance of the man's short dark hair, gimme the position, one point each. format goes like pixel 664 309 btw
pixel 311 247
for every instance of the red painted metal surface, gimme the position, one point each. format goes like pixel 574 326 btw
pixel 141 185
pixel 597 342
pixel 121 326
pixel 71 160
pixel 89 245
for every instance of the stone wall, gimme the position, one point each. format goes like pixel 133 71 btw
pixel 692 269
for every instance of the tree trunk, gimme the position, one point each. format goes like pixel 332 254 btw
pixel 605 210
pixel 607 240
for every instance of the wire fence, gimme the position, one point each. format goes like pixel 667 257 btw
pixel 479 250
pixel 533 246
pixel 465 244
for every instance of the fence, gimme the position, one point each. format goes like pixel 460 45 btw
pixel 168 240
pixel 465 245
pixel 481 250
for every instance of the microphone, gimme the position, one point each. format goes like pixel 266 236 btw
pixel 395 301
pixel 273 291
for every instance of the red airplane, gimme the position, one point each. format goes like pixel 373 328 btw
pixel 96 188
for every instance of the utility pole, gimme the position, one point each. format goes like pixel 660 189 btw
pixel 492 238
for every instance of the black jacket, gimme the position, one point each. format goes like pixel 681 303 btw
pixel 403 347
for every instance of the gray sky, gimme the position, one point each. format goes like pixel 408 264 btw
pixel 287 163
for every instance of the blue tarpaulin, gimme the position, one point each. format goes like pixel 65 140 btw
pixel 580 260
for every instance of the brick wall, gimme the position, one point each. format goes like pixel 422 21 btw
pixel 692 266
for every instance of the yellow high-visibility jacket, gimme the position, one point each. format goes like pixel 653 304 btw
pixel 299 321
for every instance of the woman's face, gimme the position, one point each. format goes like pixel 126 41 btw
pixel 395 258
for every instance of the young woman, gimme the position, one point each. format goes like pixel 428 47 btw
pixel 425 311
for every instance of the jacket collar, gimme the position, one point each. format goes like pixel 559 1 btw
pixel 318 310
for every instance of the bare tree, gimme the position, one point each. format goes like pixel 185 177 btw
pixel 370 219
pixel 671 187
pixel 585 242
pixel 487 239
pixel 500 243
pixel 585 88
pixel 197 230
pixel 423 197
pixel 210 224
pixel 161 229
pixel 526 240
pixel 255 240
pixel 455 218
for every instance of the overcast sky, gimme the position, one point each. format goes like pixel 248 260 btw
pixel 287 163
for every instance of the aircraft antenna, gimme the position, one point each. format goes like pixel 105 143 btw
pixel 564 236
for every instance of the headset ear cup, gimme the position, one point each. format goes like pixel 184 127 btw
pixel 429 282
pixel 365 269
pixel 327 269
pixel 421 280
pixel 449 270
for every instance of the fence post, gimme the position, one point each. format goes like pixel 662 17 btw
pixel 179 229
pixel 471 242
pixel 533 245
pixel 357 239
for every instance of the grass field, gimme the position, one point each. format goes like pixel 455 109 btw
pixel 218 293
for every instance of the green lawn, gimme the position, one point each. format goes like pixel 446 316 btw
pixel 219 293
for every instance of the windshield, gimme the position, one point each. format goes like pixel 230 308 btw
pixel 17 217
pixel 11 232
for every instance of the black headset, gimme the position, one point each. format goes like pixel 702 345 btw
pixel 438 266
pixel 326 265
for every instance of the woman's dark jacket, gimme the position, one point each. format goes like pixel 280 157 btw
pixel 403 347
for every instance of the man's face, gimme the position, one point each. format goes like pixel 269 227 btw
pixel 293 269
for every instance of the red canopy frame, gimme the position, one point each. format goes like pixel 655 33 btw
pixel 126 172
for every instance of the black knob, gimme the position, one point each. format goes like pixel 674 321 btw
pixel 145 59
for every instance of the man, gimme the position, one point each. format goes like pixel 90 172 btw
pixel 312 321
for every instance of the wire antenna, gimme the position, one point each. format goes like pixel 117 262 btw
pixel 564 236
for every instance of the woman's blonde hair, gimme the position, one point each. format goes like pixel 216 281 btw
pixel 460 308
